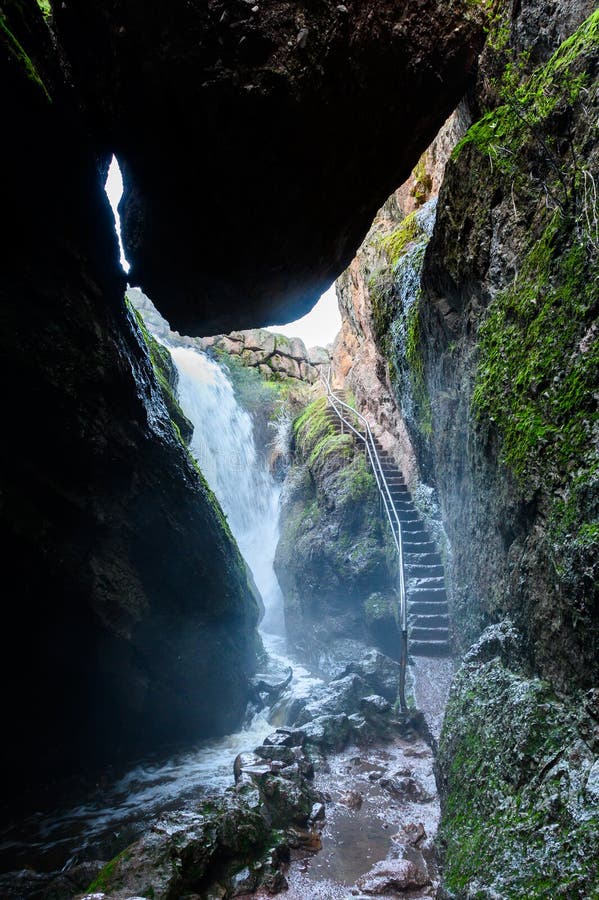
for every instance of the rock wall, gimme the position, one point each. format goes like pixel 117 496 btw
pixel 485 334
pixel 373 293
pixel 505 339
pixel 507 342
pixel 178 92
pixel 519 773
pixel 129 622
pixel 274 355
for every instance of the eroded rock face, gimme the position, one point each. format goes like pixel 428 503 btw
pixel 373 293
pixel 507 325
pixel 243 197
pixel 129 620
pixel 273 355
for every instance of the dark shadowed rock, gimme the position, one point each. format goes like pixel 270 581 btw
pixel 225 126
pixel 131 623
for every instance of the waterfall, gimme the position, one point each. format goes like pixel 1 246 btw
pixel 223 445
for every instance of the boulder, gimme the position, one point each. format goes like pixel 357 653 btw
pixel 399 875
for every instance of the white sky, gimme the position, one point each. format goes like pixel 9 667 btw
pixel 318 328
pixel 114 192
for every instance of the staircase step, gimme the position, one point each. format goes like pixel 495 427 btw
pixel 419 530
pixel 419 545
pixel 428 634
pixel 429 558
pixel 427 607
pixel 419 620
pixel 434 594
pixel 417 586
pixel 429 648
pixel 417 570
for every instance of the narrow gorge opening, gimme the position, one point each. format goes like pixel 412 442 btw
pixel 238 537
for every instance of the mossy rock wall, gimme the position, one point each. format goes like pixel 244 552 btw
pixel 519 781
pixel 333 553
pixel 507 339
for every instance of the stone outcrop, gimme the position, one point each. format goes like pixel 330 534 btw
pixel 519 778
pixel 374 290
pixel 274 355
pixel 243 199
pixel 332 561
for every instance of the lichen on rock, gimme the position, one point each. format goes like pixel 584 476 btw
pixel 515 763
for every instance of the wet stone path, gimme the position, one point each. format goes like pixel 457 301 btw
pixel 382 812
pixel 381 822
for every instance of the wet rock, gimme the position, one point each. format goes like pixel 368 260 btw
pixel 302 38
pixel 318 812
pixel 285 737
pixel 288 802
pixel 393 875
pixel 406 788
pixel 351 799
pixel 283 754
pixel 523 767
pixel 242 761
pixel 411 833
pixel 374 705
pixel 592 784
pixel 341 696
pixel 308 839
pixel 363 731
pixel 379 671
pixel 328 733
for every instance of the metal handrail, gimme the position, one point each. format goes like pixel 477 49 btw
pixel 391 512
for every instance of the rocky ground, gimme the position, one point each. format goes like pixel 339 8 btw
pixel 342 800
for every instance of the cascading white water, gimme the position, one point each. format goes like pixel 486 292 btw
pixel 223 444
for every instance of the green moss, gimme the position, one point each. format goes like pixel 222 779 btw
pixel 423 182
pixel 19 53
pixel 539 362
pixel 104 882
pixel 45 7
pixel 516 822
pixel 523 121
pixel 163 369
pixel 313 425
pixel 396 243
pixel 329 444
pixel 357 482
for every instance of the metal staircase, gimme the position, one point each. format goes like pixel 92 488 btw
pixel 424 614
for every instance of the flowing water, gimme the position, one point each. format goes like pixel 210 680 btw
pixel 107 816
pixel 223 444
